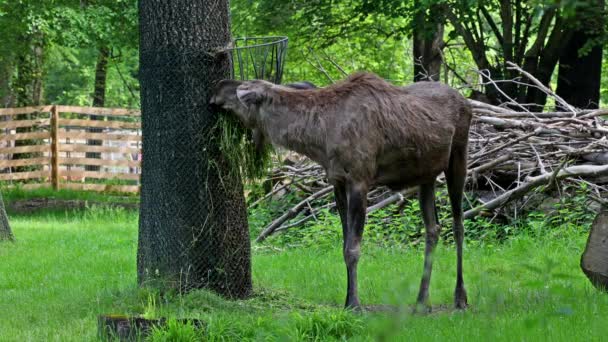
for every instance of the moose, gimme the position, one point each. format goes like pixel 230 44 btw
pixel 367 132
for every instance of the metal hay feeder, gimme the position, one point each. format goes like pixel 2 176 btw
pixel 259 58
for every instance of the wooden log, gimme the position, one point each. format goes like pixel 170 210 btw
pixel 293 212
pixel 594 261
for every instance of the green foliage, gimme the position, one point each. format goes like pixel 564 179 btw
pixel 176 331
pixel 402 225
pixel 324 325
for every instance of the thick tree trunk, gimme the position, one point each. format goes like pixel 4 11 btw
pixel 579 78
pixel 547 61
pixel 193 229
pixel 5 228
pixel 427 48
pixel 99 99
pixel 594 261
pixel 28 91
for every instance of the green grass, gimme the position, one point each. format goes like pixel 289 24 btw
pixel 67 268
pixel 18 193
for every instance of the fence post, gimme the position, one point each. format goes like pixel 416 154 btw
pixel 55 147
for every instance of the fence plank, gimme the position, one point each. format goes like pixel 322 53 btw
pixel 25 136
pixel 100 124
pixel 25 149
pixel 98 136
pixel 98 175
pixel 25 162
pixel 24 110
pixel 101 149
pixel 99 111
pixel 24 123
pixel 101 187
pixel 100 162
pixel 25 175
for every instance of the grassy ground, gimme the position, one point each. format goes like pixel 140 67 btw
pixel 67 268
pixel 19 194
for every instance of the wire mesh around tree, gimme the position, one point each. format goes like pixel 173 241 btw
pixel 259 58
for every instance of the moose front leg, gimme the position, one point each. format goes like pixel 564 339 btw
pixel 356 195
pixel 427 205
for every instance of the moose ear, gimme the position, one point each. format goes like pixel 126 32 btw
pixel 248 96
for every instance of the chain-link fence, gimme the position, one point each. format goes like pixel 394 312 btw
pixel 193 229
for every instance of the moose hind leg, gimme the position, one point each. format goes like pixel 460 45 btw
pixel 427 205
pixel 342 206
pixel 353 232
pixel 455 178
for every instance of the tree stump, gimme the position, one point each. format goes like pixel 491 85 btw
pixel 594 261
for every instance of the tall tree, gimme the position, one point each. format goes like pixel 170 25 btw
pixel 428 43
pixel 193 229
pixel 580 64
pixel 99 99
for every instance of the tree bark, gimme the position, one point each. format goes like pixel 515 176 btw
pixel 594 261
pixel 557 42
pixel 28 91
pixel 99 99
pixel 427 47
pixel 580 77
pixel 5 228
pixel 193 230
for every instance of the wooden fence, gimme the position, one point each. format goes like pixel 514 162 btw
pixel 52 145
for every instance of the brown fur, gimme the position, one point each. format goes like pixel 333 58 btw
pixel 364 132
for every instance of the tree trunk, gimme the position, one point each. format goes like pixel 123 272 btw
pixel 193 230
pixel 28 91
pixel 99 99
pixel 427 47
pixel 594 261
pixel 556 44
pixel 5 228
pixel 6 71
pixel 38 69
pixel 579 78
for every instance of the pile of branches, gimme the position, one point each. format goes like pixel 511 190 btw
pixel 512 153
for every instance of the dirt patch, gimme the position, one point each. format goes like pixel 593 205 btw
pixel 35 204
